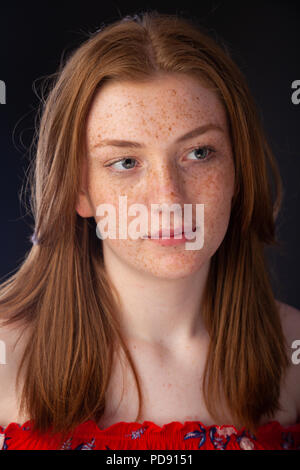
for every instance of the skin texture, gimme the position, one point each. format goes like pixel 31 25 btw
pixel 160 287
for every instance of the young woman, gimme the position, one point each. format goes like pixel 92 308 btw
pixel 139 343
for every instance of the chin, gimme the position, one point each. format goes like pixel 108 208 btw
pixel 164 269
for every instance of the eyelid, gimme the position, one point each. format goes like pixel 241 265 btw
pixel 195 147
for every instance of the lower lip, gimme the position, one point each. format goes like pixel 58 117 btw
pixel 170 241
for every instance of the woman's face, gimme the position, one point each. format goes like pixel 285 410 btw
pixel 161 169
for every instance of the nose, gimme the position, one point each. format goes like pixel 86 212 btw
pixel 166 192
pixel 166 184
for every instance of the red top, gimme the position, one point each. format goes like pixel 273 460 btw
pixel 175 435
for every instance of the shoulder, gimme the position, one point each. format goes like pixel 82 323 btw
pixel 290 320
pixel 11 337
pixel 12 344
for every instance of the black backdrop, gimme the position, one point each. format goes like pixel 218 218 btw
pixel 264 39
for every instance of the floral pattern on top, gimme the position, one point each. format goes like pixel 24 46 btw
pixel 148 435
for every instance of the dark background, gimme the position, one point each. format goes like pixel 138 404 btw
pixel 264 40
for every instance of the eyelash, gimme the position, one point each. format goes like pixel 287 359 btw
pixel 206 147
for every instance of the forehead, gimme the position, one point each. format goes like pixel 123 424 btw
pixel 169 102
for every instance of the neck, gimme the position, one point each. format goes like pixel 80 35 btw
pixel 158 310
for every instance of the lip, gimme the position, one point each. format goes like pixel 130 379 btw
pixel 167 233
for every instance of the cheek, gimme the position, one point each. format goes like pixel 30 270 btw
pixel 214 187
pixel 215 191
pixel 111 195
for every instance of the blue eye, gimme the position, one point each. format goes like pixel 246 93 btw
pixel 125 161
pixel 204 151
pixel 128 163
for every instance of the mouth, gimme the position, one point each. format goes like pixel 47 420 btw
pixel 167 233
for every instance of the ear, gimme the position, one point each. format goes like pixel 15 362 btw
pixel 84 206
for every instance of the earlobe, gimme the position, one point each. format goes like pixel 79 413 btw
pixel 83 206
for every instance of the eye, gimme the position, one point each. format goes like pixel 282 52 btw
pixel 127 162
pixel 202 153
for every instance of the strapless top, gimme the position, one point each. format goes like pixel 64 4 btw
pixel 190 435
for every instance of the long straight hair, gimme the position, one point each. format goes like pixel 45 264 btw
pixel 61 291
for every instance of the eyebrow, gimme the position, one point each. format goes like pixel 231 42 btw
pixel 130 144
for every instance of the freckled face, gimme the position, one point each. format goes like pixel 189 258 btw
pixel 156 114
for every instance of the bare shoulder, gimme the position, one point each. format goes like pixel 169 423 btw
pixel 12 345
pixel 290 320
pixel 11 350
pixel 11 336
